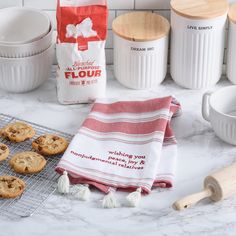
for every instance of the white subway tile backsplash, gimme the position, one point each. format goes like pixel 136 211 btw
pixel 54 37
pixel 152 4
pixel 111 17
pixel 52 15
pixel 55 58
pixel 109 42
pixel 165 13
pixel 121 4
pixel 10 3
pixel 109 56
pixel 120 12
pixel 42 4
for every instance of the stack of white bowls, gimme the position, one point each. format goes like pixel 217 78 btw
pixel 26 50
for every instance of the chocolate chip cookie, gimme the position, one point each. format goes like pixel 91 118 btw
pixel 17 132
pixel 49 144
pixel 4 152
pixel 27 162
pixel 11 187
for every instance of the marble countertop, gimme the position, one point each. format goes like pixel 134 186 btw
pixel 200 153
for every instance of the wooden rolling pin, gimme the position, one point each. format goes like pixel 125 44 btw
pixel 218 186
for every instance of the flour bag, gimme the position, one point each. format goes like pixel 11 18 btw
pixel 82 32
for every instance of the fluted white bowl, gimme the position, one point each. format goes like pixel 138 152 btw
pixel 20 25
pixel 27 49
pixel 19 75
pixel 219 108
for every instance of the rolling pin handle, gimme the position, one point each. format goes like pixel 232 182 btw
pixel 191 200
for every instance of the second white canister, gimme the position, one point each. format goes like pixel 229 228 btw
pixel 231 53
pixel 140 49
pixel 197 43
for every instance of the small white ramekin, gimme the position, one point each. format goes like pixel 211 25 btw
pixel 20 75
pixel 219 108
pixel 28 49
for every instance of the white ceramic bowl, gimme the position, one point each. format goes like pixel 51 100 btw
pixel 20 75
pixel 22 25
pixel 28 49
pixel 219 108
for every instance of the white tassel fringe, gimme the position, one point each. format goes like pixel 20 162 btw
pixel 63 185
pixel 134 198
pixel 81 192
pixel 110 201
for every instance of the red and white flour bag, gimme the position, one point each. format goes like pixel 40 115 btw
pixel 82 32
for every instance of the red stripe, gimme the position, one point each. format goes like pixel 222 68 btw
pixel 169 135
pixel 168 131
pixel 133 106
pixel 126 127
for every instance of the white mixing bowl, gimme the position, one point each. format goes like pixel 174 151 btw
pixel 27 49
pixel 22 25
pixel 219 108
pixel 20 75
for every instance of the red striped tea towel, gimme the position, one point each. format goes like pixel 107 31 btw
pixel 124 145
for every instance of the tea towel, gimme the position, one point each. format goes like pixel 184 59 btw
pixel 124 145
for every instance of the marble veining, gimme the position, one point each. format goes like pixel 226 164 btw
pixel 200 153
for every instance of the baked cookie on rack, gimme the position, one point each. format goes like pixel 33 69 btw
pixel 11 187
pixel 50 144
pixel 17 132
pixel 27 162
pixel 4 151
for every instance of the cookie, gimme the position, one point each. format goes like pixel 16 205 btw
pixel 4 152
pixel 27 162
pixel 11 187
pixel 17 132
pixel 49 144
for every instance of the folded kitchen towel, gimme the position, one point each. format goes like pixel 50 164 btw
pixel 124 145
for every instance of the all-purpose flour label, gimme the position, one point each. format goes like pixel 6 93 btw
pixel 82 31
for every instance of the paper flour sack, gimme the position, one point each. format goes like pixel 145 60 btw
pixel 82 31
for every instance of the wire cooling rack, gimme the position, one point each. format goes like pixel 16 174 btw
pixel 38 186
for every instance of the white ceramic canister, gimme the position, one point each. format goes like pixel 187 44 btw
pixel 231 53
pixel 140 49
pixel 197 42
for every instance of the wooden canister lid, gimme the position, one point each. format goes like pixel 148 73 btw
pixel 232 13
pixel 200 9
pixel 141 26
